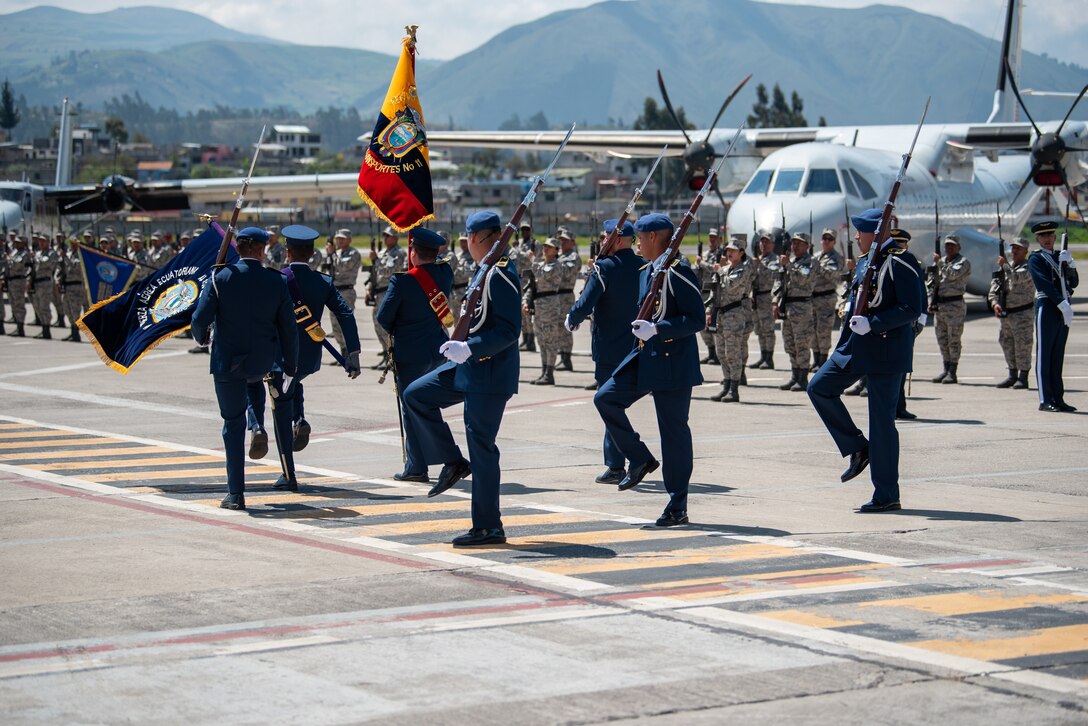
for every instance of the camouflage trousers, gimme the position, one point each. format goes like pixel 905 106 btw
pixel 749 326
pixel 383 337
pixel 548 327
pixel 797 333
pixel 567 338
pixel 948 323
pixel 710 340
pixel 729 342
pixel 764 322
pixel 527 321
pixel 350 296
pixel 42 297
pixel 823 321
pixel 17 298
pixel 457 296
pixel 74 301
pixel 1017 333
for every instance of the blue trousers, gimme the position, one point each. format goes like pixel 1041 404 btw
pixel 613 457
pixel 825 391
pixel 424 400
pixel 407 374
pixel 231 394
pixel 618 394
pixel 1051 335
pixel 283 418
pixel 255 396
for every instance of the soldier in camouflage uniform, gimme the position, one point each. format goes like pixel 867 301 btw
pixel 728 313
pixel 462 264
pixel 69 280
pixel 550 306
pixel 793 306
pixel 20 269
pixel 275 254
pixel 391 260
pixel 521 252
pixel 343 264
pixel 572 264
pixel 141 257
pixel 4 252
pixel 704 269
pixel 43 294
pixel 826 270
pixel 161 252
pixel 950 310
pixel 1017 316
pixel 768 269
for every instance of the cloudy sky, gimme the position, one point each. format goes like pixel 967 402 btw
pixel 451 27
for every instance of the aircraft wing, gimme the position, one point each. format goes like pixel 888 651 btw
pixel 101 198
pixel 616 143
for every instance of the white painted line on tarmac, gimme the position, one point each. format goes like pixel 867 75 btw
pixel 278 644
pixel 1020 571
pixel 536 616
pixel 38 669
pixel 672 603
pixel 109 401
pixel 1078 589
pixel 562 582
pixel 81 366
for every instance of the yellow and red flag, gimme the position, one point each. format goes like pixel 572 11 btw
pixel 395 178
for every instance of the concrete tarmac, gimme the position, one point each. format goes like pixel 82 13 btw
pixel 129 597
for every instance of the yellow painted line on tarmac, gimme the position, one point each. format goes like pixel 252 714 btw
pixel 596 537
pixel 800 617
pixel 674 558
pixel 123 463
pixel 219 471
pixel 1047 641
pixel 8 435
pixel 844 569
pixel 74 453
pixel 376 509
pixel 13 426
pixel 67 442
pixel 960 603
pixel 450 525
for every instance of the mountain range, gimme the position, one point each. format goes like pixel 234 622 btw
pixel 870 65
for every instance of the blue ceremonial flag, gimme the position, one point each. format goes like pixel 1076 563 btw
pixel 104 275
pixel 127 326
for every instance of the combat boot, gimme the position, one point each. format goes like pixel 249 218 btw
pixel 74 337
pixel 818 359
pixel 951 377
pixel 60 322
pixel 762 359
pixel 19 333
pixel 2 331
pixel 547 378
pixel 564 363
pixel 788 385
pixel 734 393
pixel 530 343
pixel 767 363
pixel 802 381
pixel 45 334
pixel 944 374
pixel 1010 381
pixel 727 385
pixel 857 389
pixel 1021 381
pixel 743 377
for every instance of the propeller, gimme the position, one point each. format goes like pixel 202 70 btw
pixel 1048 149
pixel 113 194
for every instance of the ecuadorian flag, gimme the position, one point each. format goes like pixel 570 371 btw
pixel 395 178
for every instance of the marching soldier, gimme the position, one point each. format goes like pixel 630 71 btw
pixel 767 272
pixel 42 290
pixel 522 251
pixel 416 312
pixel 793 306
pixel 826 270
pixel 69 280
pixel 343 263
pixel 572 265
pixel 391 260
pixel 275 255
pixel 18 276
pixel 728 314
pixel 950 310
pixel 611 298
pixel 482 372
pixel 1055 276
pixel 704 269
pixel 548 304
pixel 664 364
pixel 461 263
pixel 1016 315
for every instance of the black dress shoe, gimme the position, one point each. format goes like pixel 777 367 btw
pixel 591 386
pixel 450 475
pixel 233 501
pixel 1065 407
pixel 405 476
pixel 875 506
pixel 905 415
pixel 258 444
pixel 200 350
pixel 286 485
pixel 475 537
pixel 672 519
pixel 637 473
pixel 300 436
pixel 611 476
pixel 1049 407
pixel 858 461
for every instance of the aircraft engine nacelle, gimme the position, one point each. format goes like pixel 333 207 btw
pixel 114 193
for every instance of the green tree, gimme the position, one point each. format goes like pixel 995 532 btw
pixel 9 114
pixel 774 112
pixel 115 129
pixel 653 118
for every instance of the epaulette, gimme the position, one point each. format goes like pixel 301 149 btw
pixel 896 251
pixel 675 262
pixel 502 262
pixel 645 266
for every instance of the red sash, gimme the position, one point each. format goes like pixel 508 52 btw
pixel 437 299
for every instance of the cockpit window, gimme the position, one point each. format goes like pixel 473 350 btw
pixel 788 180
pixel 867 191
pixel 851 189
pixel 759 183
pixel 11 195
pixel 822 181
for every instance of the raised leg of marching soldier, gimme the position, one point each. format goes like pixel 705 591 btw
pixel 823 319
pixel 347 292
pixel 17 298
pixel 255 405
pixel 949 327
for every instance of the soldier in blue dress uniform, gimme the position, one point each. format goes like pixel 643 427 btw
pixel 665 364
pixel 482 372
pixel 1053 314
pixel 254 325
pixel 611 297
pixel 879 346
pixel 310 292
pixel 418 318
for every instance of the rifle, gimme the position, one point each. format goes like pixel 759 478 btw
pixel 476 290
pixel 229 235
pixel 848 274
pixel 1065 246
pixel 1000 277
pixel 933 272
pixel 608 246
pixel 783 275
pixel 878 253
pixel 658 272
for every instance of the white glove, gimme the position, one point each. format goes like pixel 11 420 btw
pixel 860 325
pixel 1067 312
pixel 456 351
pixel 568 326
pixel 922 319
pixel 1065 256
pixel 644 329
